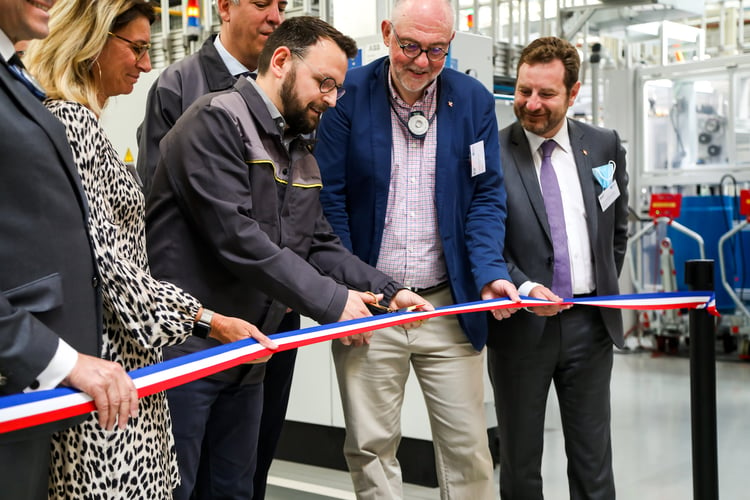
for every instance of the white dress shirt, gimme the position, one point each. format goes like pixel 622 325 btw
pixel 579 242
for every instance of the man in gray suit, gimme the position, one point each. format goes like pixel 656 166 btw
pixel 50 301
pixel 566 233
pixel 223 58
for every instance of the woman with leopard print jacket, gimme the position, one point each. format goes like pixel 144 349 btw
pixel 96 50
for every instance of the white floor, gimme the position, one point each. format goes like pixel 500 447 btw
pixel 651 438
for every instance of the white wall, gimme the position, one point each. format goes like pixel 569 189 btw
pixel 124 113
pixel 356 19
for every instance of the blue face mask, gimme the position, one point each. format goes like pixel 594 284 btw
pixel 605 174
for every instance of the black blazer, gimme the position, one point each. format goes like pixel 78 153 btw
pixel 528 245
pixel 48 279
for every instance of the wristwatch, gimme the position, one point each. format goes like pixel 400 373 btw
pixel 202 327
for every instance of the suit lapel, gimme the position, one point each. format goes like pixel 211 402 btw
pixel 448 158
pixel 585 177
pixel 525 163
pixel 36 111
pixel 381 139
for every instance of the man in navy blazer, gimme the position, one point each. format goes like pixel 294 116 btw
pixel 50 301
pixel 413 185
pixel 570 346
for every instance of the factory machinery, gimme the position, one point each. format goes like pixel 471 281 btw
pixel 663 244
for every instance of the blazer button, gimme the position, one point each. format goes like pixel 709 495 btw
pixel 95 281
pixel 34 385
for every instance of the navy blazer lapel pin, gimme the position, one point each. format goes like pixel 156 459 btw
pixel 450 104
pixel 585 153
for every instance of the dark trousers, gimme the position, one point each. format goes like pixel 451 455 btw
pixel 575 352
pixel 24 468
pixel 276 386
pixel 215 425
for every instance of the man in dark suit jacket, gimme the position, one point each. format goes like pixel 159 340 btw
pixel 50 302
pixel 570 346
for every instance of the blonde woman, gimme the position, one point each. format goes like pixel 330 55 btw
pixel 97 50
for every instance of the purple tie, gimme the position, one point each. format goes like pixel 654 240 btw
pixel 561 283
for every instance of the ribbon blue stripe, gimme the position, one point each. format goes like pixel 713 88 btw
pixel 31 397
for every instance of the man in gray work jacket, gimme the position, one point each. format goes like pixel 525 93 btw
pixel 234 218
pixel 245 27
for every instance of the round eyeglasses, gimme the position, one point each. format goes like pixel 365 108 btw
pixel 413 50
pixel 327 83
pixel 140 49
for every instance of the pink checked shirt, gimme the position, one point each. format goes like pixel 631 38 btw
pixel 411 251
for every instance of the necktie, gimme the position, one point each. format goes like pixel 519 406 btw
pixel 561 281
pixel 18 70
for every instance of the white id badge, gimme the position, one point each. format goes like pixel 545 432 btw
pixel 609 196
pixel 477 158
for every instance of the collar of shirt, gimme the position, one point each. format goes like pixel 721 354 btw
pixel 275 114
pixel 561 138
pixel 233 65
pixel 6 46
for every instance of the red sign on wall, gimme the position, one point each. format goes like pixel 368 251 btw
pixel 745 202
pixel 665 205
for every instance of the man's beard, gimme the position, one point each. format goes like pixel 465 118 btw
pixel 295 113
pixel 539 124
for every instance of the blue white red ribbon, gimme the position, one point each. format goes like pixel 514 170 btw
pixel 20 411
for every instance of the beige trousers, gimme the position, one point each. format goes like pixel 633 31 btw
pixel 450 373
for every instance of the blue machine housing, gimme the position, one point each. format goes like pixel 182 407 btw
pixel 711 217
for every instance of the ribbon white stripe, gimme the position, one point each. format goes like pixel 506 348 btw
pixel 25 410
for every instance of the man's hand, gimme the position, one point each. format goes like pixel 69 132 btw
pixel 407 298
pixel 544 293
pixel 497 289
pixel 113 391
pixel 356 307
pixel 226 329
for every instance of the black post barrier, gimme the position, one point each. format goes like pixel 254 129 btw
pixel 699 275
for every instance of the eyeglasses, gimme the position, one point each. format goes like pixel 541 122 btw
pixel 413 50
pixel 327 83
pixel 140 49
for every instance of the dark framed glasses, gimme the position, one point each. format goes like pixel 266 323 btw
pixel 327 83
pixel 140 49
pixel 413 50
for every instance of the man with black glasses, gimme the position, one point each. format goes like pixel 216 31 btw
pixel 413 185
pixel 234 217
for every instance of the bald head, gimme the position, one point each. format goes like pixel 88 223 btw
pixel 431 12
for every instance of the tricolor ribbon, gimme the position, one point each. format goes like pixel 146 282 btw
pixel 20 411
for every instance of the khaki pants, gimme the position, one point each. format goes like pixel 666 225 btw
pixel 450 373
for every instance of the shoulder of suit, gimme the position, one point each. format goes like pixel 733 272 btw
pixel 183 70
pixel 510 130
pixel 576 125
pixel 364 73
pixel 461 82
